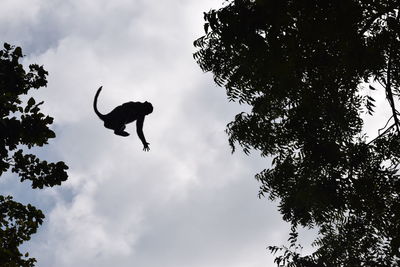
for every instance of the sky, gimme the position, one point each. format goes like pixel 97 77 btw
pixel 188 201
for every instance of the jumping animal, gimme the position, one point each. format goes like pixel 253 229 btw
pixel 126 113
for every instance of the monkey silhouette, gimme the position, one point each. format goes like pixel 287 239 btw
pixel 126 113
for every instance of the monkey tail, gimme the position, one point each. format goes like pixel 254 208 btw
pixel 101 116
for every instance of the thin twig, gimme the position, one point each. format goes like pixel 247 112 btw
pixel 385 125
pixel 382 83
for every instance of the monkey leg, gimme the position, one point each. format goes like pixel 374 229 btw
pixel 120 131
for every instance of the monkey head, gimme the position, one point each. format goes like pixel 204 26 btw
pixel 148 107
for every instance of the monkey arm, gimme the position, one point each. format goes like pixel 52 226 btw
pixel 139 131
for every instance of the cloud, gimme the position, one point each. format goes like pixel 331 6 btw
pixel 188 202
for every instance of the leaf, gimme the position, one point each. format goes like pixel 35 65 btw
pixel 30 104
pixel 206 26
pixel 7 46
pixel 370 98
pixel 18 52
pixel 31 101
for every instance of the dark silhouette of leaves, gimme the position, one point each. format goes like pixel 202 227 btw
pixel 302 67
pixel 18 222
pixel 22 126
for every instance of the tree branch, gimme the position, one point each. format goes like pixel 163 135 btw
pixel 389 93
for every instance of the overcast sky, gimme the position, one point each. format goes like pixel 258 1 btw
pixel 188 202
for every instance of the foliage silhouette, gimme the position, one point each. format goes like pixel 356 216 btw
pixel 22 125
pixel 304 67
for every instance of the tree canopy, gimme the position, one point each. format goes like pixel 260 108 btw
pixel 307 68
pixel 22 126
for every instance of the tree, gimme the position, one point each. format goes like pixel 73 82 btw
pixel 22 126
pixel 308 70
